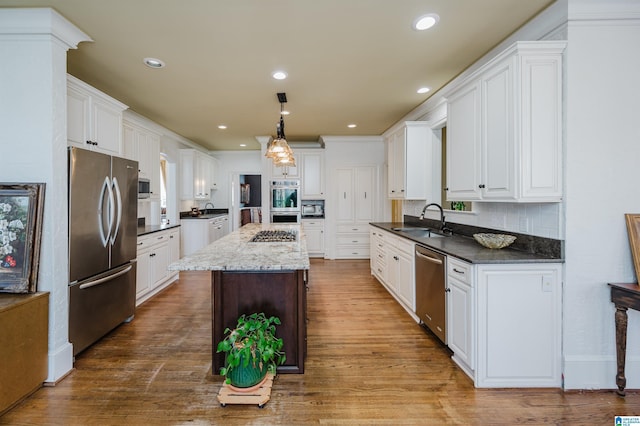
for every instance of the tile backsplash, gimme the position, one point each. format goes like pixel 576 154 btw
pixel 539 219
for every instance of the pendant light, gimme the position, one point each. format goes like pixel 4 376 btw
pixel 278 149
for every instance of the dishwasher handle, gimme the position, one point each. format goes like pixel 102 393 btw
pixel 429 258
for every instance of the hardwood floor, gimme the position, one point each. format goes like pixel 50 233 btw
pixel 368 363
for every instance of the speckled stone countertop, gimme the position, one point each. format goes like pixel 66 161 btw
pixel 467 249
pixel 234 252
pixel 150 229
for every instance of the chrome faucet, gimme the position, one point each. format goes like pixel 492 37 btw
pixel 209 204
pixel 443 224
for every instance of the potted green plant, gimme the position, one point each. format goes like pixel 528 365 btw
pixel 252 350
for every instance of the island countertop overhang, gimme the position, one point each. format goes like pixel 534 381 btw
pixel 235 252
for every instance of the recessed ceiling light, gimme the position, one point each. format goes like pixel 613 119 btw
pixel 352 126
pixel 153 63
pixel 222 127
pixel 285 112
pixel 426 21
pixel 423 90
pixel 279 75
pixel 243 145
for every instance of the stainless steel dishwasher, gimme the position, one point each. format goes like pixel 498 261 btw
pixel 431 301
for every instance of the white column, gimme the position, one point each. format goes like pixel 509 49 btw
pixel 33 137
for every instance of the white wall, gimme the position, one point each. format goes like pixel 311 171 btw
pixel 602 154
pixel 33 121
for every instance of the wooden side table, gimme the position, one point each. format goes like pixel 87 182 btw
pixel 624 296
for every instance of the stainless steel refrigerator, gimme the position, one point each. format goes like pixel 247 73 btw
pixel 103 192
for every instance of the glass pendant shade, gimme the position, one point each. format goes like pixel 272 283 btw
pixel 278 149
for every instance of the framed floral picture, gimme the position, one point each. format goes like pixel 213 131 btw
pixel 21 208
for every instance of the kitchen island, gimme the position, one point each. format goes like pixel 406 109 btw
pixel 257 276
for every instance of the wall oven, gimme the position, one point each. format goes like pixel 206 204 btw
pixel 285 217
pixel 284 195
pixel 285 207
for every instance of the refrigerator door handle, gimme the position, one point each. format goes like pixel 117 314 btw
pixel 104 236
pixel 118 209
pixel 99 281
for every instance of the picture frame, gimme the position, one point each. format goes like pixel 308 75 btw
pixel 633 229
pixel 21 214
pixel 244 193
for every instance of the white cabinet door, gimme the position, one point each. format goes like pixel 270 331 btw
pixel 312 175
pixel 174 245
pixel 287 171
pixel 504 128
pixel 498 148
pixel 78 117
pixel 464 144
pixel 519 325
pixel 159 262
pixel 143 273
pixel 106 127
pixel 405 281
pixel 94 119
pixel 345 210
pixel 314 232
pixel 460 322
pixel 196 171
pixel 364 187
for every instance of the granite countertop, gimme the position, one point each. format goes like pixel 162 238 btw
pixel 467 249
pixel 150 229
pixel 234 252
pixel 205 214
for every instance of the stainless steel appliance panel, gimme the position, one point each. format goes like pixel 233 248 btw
pixel 284 195
pixel 124 175
pixel 102 244
pixel 431 301
pixel 89 176
pixel 99 304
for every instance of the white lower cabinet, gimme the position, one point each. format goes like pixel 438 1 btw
pixel 519 309
pixel 314 233
pixel 460 314
pixel 504 323
pixel 198 233
pixel 393 264
pixel 155 252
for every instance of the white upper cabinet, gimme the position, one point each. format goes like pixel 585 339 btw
pixel 504 128
pixel 312 163
pixel 143 146
pixel 94 119
pixel 287 171
pixel 197 171
pixel 409 162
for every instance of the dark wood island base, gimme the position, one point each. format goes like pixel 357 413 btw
pixel 276 293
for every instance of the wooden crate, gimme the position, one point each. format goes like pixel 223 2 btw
pixel 259 396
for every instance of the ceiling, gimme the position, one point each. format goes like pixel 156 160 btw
pixel 348 61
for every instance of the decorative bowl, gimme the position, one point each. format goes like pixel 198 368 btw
pixel 494 241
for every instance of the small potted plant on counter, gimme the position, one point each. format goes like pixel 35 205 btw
pixel 252 350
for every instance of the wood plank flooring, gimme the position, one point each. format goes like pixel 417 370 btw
pixel 368 363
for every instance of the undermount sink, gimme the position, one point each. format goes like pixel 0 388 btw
pixel 418 232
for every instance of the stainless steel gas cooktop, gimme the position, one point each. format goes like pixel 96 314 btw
pixel 274 236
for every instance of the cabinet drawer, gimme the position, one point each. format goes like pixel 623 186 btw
pixel 459 270
pixel 151 240
pixel 353 239
pixel 352 252
pixel 353 229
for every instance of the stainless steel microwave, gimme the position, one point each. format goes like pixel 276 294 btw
pixel 144 188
